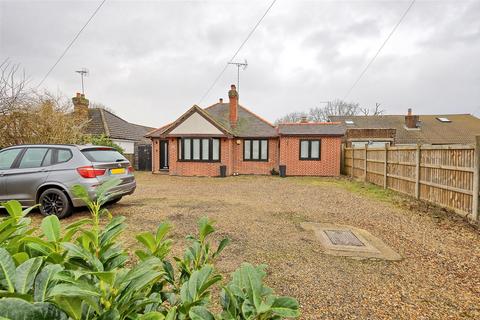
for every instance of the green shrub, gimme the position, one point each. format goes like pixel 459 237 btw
pixel 81 272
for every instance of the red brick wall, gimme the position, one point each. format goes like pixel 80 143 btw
pixel 211 169
pixel 155 155
pixel 329 165
pixel 256 167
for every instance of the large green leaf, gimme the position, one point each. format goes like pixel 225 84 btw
pixel 26 273
pixel 197 286
pixel 74 290
pixel 77 252
pixel 250 278
pixel 112 230
pixel 20 257
pixel 200 313
pixel 148 241
pixel 44 281
pixel 205 228
pixel 18 309
pixel 51 228
pixel 153 315
pixel 7 269
pixel 285 307
pixel 14 209
pixel 71 305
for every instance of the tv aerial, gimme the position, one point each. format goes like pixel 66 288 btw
pixel 243 66
pixel 83 73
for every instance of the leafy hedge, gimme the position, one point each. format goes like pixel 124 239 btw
pixel 81 272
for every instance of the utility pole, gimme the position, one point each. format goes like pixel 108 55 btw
pixel 239 65
pixel 83 73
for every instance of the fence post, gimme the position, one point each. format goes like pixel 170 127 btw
pixel 352 173
pixel 476 179
pixel 417 173
pixel 385 167
pixel 365 168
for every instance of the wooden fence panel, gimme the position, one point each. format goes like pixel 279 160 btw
pixel 445 175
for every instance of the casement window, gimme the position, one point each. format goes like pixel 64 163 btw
pixel 310 149
pixel 255 150
pixel 199 149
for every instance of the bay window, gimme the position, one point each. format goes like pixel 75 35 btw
pixel 199 149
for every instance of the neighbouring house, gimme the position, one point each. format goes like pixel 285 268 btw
pixel 409 129
pixel 229 137
pixel 129 136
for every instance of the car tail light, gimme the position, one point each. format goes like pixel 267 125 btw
pixel 130 169
pixel 90 172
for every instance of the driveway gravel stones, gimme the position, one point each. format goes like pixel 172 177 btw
pixel 438 277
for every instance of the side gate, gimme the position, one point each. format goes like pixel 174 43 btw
pixel 144 162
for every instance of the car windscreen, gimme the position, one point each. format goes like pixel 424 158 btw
pixel 103 155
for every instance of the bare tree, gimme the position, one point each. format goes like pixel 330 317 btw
pixel 332 108
pixel 377 111
pixel 27 116
pixel 14 94
pixel 291 117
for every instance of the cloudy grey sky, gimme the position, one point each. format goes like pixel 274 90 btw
pixel 151 60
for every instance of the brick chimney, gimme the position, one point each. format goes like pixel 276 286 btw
pixel 304 119
pixel 411 121
pixel 80 105
pixel 233 97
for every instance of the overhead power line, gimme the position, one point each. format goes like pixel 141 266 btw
pixel 236 52
pixel 71 43
pixel 379 50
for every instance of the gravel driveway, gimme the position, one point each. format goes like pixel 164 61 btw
pixel 439 277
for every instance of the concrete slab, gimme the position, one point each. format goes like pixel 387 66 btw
pixel 348 241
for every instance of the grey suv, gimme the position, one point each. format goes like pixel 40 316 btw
pixel 44 174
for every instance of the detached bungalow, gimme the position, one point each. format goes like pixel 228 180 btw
pixel 227 138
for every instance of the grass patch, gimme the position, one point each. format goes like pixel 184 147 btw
pixel 359 187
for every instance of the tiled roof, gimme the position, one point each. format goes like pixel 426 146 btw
pixel 249 125
pixel 312 128
pixel 104 122
pixel 461 130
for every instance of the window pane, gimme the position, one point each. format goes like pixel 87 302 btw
pixel 315 153
pixel 256 149
pixel 103 155
pixel 264 149
pixel 179 144
pixel 304 149
pixel 33 158
pixel 205 148
pixel 186 147
pixel 7 157
pixel 246 149
pixel 215 149
pixel 47 160
pixel 63 155
pixel 196 149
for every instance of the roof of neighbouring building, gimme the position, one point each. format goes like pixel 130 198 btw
pixel 105 122
pixel 249 125
pixel 459 129
pixel 312 129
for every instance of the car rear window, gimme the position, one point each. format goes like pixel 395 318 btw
pixel 103 155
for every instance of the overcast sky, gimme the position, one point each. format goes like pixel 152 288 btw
pixel 151 60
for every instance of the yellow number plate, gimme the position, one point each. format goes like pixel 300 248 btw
pixel 117 171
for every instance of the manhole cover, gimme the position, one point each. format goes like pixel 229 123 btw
pixel 343 238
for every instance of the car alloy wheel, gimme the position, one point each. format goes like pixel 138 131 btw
pixel 54 201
